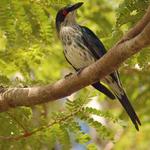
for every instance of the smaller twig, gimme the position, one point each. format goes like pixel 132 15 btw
pixel 27 134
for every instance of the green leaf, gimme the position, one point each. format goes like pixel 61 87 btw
pixel 91 147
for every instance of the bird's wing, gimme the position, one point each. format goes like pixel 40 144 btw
pixel 93 43
pixel 97 48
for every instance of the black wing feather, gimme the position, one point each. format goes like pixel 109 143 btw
pixel 93 43
pixel 97 48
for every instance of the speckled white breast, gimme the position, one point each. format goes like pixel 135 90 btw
pixel 74 49
pixel 78 57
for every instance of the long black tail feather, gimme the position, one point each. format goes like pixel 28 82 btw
pixel 100 87
pixel 130 110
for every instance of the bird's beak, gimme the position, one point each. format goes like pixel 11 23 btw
pixel 75 6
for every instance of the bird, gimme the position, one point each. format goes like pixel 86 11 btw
pixel 82 47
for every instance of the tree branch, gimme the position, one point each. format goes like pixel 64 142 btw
pixel 136 39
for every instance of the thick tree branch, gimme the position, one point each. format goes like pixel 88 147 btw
pixel 136 39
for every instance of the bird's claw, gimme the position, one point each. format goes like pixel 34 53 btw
pixel 68 75
pixel 79 71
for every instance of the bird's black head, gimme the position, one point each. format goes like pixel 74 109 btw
pixel 63 14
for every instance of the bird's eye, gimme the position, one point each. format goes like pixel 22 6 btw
pixel 65 12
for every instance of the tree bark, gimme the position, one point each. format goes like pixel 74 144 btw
pixel 137 38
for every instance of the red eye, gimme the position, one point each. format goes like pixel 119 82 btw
pixel 65 12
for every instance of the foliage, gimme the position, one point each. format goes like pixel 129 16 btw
pixel 31 54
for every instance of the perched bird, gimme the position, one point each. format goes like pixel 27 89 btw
pixel 82 48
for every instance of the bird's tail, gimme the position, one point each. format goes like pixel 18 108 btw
pixel 116 86
pixel 100 87
pixel 129 109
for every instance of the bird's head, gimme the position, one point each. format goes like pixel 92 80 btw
pixel 66 15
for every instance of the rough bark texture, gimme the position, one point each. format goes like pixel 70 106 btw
pixel 136 39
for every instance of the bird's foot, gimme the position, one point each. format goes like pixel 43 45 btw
pixel 79 71
pixel 68 75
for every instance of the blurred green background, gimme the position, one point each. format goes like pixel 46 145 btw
pixel 31 54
